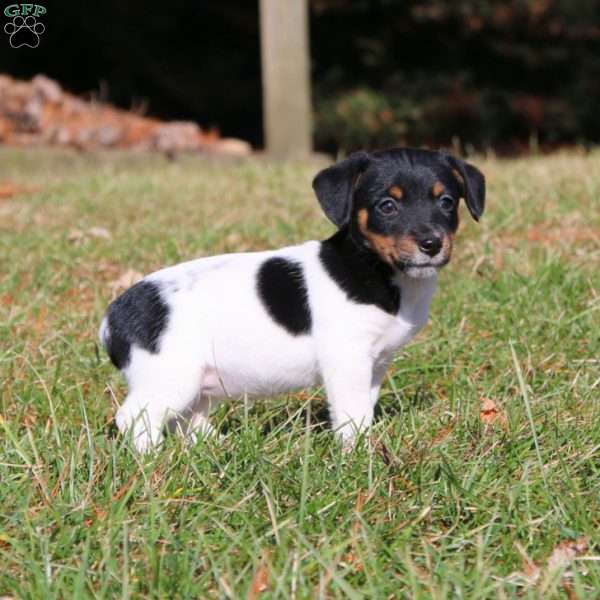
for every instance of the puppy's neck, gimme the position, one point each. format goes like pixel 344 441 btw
pixel 359 272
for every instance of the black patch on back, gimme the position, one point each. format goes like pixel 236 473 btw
pixel 282 289
pixel 362 275
pixel 139 316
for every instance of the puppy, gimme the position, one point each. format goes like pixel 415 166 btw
pixel 331 312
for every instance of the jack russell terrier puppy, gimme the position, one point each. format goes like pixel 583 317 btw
pixel 331 312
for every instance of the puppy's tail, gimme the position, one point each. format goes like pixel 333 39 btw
pixel 104 333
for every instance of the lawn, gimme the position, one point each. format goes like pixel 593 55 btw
pixel 479 479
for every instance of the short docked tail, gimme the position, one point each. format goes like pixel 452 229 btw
pixel 104 332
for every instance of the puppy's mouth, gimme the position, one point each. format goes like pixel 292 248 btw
pixel 422 269
pixel 405 265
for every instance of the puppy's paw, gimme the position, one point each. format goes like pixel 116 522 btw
pixel 139 427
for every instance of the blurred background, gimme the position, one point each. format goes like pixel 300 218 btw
pixel 510 76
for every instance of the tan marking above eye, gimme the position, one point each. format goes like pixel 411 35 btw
pixel 438 189
pixel 396 192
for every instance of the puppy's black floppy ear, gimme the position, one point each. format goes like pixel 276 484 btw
pixel 473 183
pixel 334 186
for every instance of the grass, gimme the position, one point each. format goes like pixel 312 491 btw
pixel 435 504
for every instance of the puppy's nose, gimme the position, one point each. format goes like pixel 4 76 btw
pixel 430 245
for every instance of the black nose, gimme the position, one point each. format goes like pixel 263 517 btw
pixel 430 245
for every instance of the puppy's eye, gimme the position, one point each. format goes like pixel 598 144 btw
pixel 447 203
pixel 387 207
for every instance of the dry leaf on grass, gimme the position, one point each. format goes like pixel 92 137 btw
pixel 490 414
pixel 560 558
pixel 76 236
pixel 260 581
pixel 565 552
pixel 125 281
pixel 443 433
pixel 8 190
pixel 531 571
pixel 99 232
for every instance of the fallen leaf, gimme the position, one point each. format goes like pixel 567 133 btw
pixel 100 514
pixel 125 281
pixel 77 236
pixel 565 552
pixel 8 190
pixel 562 556
pixel 490 414
pixel 260 581
pixel 531 571
pixel 443 434
pixel 99 232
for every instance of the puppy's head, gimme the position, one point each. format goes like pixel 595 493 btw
pixel 402 204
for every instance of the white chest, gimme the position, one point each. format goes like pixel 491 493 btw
pixel 415 300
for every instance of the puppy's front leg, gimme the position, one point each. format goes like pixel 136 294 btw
pixel 348 381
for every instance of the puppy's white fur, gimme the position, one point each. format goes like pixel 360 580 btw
pixel 220 342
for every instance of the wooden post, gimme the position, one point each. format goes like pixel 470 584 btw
pixel 285 77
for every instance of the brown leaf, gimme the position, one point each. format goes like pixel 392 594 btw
pixel 490 414
pixel 443 434
pixel 76 236
pixel 562 556
pixel 531 571
pixel 260 581
pixel 564 553
pixel 99 232
pixel 352 559
pixel 8 190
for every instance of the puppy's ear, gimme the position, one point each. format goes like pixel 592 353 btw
pixel 473 184
pixel 334 186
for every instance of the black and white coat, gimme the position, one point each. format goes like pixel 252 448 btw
pixel 258 324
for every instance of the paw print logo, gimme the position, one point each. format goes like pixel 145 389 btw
pixel 24 31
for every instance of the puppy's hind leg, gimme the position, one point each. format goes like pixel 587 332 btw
pixel 160 389
pixel 199 425
pixel 193 422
